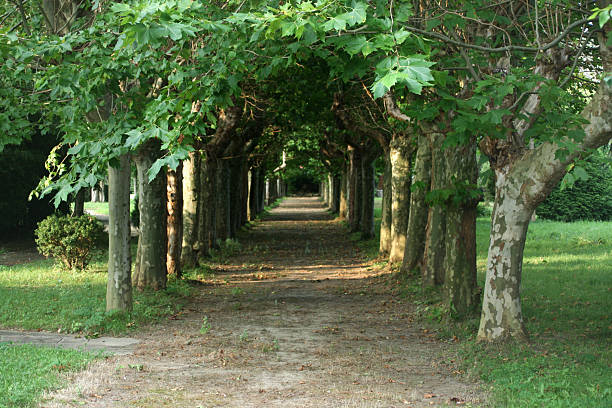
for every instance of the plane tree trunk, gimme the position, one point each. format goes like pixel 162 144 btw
pixel 119 283
pixel 150 270
pixel 524 177
pixel 175 220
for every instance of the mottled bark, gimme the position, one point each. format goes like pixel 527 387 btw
pixel 191 188
pixel 367 198
pixel 174 200
pixel 150 266
pixel 433 255
pixel 119 283
pixel 386 213
pixel 460 243
pixel 400 153
pixel 417 219
pixel 524 177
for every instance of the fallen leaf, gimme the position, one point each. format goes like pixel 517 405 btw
pixel 429 396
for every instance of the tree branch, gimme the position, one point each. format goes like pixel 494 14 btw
pixel 507 48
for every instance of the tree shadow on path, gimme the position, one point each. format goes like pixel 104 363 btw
pixel 297 318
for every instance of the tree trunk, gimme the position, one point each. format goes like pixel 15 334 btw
pixel 261 199
pixel 460 242
pixel 150 271
pixel 355 195
pixel 523 180
pixel 207 232
pixel 119 284
pixel 253 194
pixel 367 198
pixel 386 213
pixel 223 201
pixel 336 195
pixel 417 219
pixel 175 220
pixel 433 255
pixel 191 187
pixel 400 154
pixel 344 181
pixel 79 203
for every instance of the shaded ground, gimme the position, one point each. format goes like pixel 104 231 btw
pixel 296 319
pixel 18 252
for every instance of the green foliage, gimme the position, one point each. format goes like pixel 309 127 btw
pixel 28 371
pixel 588 198
pixel 71 239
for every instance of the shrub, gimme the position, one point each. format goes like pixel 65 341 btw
pixel 71 239
pixel 589 199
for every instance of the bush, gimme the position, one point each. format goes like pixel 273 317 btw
pixel 71 239
pixel 589 199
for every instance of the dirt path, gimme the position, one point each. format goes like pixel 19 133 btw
pixel 295 320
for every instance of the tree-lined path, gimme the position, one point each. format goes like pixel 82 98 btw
pixel 296 318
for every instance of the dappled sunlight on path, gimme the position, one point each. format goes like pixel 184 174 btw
pixel 296 318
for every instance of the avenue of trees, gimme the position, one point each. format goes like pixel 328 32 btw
pixel 212 101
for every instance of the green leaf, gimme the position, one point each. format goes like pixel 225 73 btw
pixel 355 45
pixel 604 16
pixel 580 173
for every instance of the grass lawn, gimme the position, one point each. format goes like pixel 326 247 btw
pixel 567 306
pixel 41 296
pixel 102 208
pixel 27 371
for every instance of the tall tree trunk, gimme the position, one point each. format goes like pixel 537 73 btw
pixel 191 188
pixel 434 251
pixel 400 153
pixel 355 194
pixel 119 283
pixel 336 195
pixel 175 219
pixel 207 230
pixel 244 196
pixel 460 242
pixel 344 187
pixel 261 199
pixel 367 197
pixel 523 180
pixel 150 271
pixel 223 201
pixel 386 213
pixel 417 220
pixel 253 194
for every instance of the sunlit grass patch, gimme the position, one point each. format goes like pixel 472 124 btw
pixel 567 304
pixel 28 371
pixel 41 296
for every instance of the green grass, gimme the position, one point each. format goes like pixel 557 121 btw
pixel 27 371
pixel 102 208
pixel 567 305
pixel 41 296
